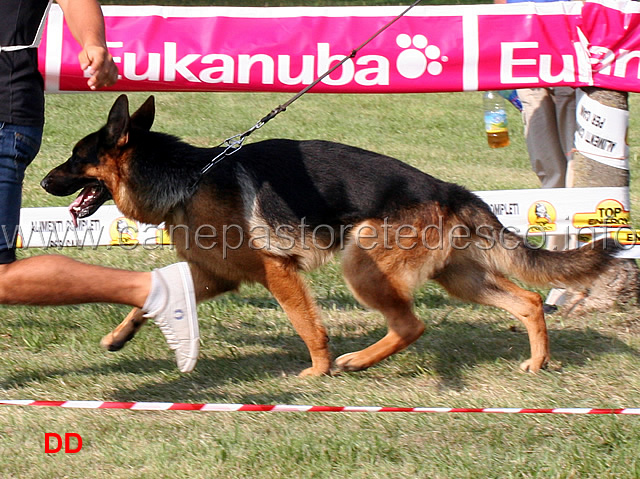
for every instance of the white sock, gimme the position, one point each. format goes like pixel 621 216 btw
pixel 158 296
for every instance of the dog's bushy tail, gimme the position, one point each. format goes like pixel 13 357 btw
pixel 513 256
pixel 570 268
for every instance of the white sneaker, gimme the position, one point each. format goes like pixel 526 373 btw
pixel 178 319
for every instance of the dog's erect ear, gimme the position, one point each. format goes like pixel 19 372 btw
pixel 118 122
pixel 144 116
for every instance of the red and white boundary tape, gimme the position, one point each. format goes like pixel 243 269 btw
pixel 172 406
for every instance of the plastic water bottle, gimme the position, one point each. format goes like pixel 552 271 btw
pixel 495 119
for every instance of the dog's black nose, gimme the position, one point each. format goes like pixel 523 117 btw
pixel 45 182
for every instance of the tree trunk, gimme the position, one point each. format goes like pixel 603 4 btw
pixel 620 283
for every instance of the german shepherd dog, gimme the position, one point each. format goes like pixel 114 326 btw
pixel 284 206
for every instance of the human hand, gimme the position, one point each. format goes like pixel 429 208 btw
pixel 98 62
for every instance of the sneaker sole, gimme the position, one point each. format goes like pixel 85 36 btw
pixel 194 346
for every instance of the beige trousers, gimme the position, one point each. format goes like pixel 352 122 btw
pixel 549 117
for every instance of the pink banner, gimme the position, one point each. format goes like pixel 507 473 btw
pixel 432 49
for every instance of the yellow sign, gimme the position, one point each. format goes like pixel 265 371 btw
pixel 626 236
pixel 123 231
pixel 609 213
pixel 163 237
pixel 542 216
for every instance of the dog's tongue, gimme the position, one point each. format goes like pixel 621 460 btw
pixel 80 204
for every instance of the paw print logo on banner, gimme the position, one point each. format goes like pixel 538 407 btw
pixel 418 57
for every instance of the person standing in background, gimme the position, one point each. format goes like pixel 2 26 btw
pixel 549 119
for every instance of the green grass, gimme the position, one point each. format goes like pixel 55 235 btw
pixel 468 356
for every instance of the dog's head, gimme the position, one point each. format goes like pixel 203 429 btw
pixel 98 160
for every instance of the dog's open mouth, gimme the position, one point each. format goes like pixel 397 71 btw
pixel 88 201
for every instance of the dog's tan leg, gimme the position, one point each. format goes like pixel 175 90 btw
pixel 404 329
pixel 125 331
pixel 206 286
pixel 374 285
pixel 528 309
pixel 289 289
pixel 494 290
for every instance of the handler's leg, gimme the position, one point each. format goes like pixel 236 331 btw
pixel 53 280
pixel 166 294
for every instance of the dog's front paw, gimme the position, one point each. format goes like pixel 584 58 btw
pixel 125 331
pixel 534 365
pixel 111 342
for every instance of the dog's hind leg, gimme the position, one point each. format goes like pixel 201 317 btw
pixel 483 287
pixel 383 283
pixel 291 292
pixel 206 287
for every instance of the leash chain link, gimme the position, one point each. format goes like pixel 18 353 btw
pixel 234 143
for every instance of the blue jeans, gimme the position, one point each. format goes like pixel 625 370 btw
pixel 19 145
